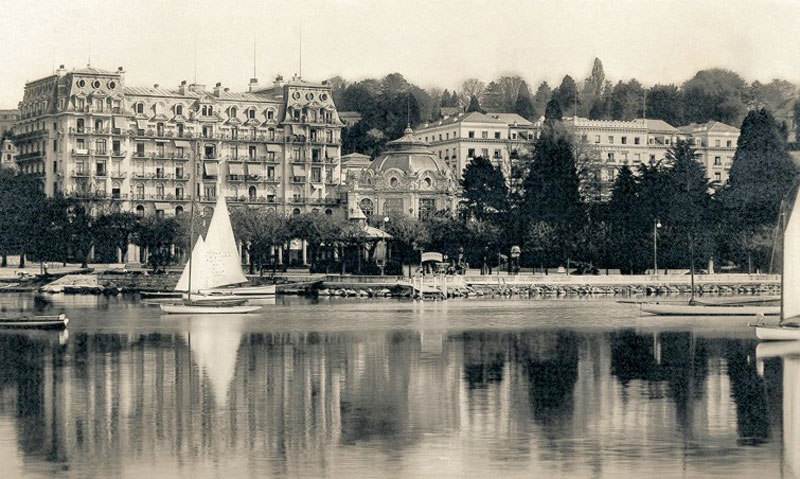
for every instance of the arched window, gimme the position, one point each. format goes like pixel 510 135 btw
pixel 140 107
pixel 81 125
pixel 297 195
pixel 427 182
pixel 160 191
pixel 140 191
pixel 232 112
pixel 140 210
pixel 179 109
pixel 160 129
pixel 252 192
pixel 178 210
pixel 296 211
pixel 179 192
pixel 366 206
pixel 328 211
pixel 235 191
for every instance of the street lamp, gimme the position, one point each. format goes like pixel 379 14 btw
pixel 656 226
pixel 386 248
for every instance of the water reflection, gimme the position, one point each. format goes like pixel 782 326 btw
pixel 308 403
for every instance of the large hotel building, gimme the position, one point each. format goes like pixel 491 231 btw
pixel 89 135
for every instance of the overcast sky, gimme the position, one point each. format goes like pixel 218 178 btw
pixel 431 42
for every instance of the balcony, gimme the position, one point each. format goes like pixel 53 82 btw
pixel 296 200
pixel 332 161
pixel 29 156
pixel 235 178
pixel 252 177
pixel 119 153
pixel 273 179
pixel 101 174
pixel 181 177
pixel 119 175
pixel 272 160
pixel 298 179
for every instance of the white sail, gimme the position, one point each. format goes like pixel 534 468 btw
pixel 222 264
pixel 791 262
pixel 198 254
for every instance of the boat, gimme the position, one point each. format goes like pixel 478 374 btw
pixel 788 327
pixel 36 322
pixel 264 290
pixel 159 294
pixel 684 309
pixel 213 263
pixel 208 307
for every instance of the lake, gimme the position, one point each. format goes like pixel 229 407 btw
pixel 394 388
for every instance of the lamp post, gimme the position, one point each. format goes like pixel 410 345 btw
pixel 386 249
pixel 656 226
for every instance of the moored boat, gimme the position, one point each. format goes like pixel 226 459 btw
pixel 264 290
pixel 684 309
pixel 36 322
pixel 208 308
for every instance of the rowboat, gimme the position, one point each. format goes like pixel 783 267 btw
pixel 207 308
pixel 36 322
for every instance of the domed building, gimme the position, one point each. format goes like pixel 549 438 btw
pixel 407 178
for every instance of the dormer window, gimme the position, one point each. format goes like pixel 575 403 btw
pixel 232 112
pixel 270 114
pixel 251 113
pixel 140 107
pixel 179 109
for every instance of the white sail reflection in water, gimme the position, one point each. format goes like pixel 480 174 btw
pixel 215 349
pixel 791 262
pixel 215 260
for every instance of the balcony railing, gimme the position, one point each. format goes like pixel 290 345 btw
pixel 119 174
pixel 235 178
pixel 298 179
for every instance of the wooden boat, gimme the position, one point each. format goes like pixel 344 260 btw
pixel 787 328
pixel 36 322
pixel 684 309
pixel 213 263
pixel 208 308
pixel 159 294
pixel 264 290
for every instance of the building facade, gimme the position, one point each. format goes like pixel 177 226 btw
pixel 8 154
pixel 500 137
pixel 613 144
pixel 151 149
pixel 408 178
pixel 7 120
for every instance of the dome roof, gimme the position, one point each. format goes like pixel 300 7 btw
pixel 410 155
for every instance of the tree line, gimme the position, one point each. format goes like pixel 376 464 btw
pixel 388 104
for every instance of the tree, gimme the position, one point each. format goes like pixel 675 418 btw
pixel 776 96
pixel 593 87
pixel 112 231
pixel 567 94
pixel 157 234
pixel 523 106
pixel 474 105
pixel 472 87
pixel 22 204
pixel 408 234
pixel 260 230
pixel 338 86
pixel 761 177
pixel 484 189
pixel 629 227
pixel 553 111
pixel 665 102
pixel 541 98
pixel 315 229
pixel 715 94
pixel 796 116
pixel 627 100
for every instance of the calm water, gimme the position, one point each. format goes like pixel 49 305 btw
pixel 388 388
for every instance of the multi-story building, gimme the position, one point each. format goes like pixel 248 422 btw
pixel 500 137
pixel 407 178
pixel 613 144
pixel 8 154
pixel 7 120
pixel 149 149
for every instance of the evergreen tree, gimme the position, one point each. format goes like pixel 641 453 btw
pixel 762 172
pixel 567 94
pixel 664 102
pixel 553 111
pixel 796 116
pixel 541 98
pixel 474 105
pixel 445 101
pixel 627 100
pixel 629 227
pixel 524 106
pixel 484 190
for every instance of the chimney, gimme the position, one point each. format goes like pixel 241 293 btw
pixel 197 87
pixel 217 88
pixel 278 83
pixel 155 85
pixel 253 84
pixel 182 88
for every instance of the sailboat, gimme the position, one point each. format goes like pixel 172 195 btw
pixel 787 328
pixel 213 262
pixel 738 307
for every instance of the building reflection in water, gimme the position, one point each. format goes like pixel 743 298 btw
pixel 296 403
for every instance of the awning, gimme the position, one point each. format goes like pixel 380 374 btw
pixel 120 122
pixel 183 144
pixel 254 169
pixel 141 124
pixel 275 148
pixel 163 206
pixel 210 168
pixel 298 170
pixel 235 169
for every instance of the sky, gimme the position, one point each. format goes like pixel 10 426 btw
pixel 433 43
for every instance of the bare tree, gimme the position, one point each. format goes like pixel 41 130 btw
pixel 471 87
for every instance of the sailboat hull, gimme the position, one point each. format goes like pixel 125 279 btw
pixel 207 309
pixel 777 332
pixel 265 290
pixel 704 310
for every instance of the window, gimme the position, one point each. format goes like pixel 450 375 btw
pixel 471 153
pixel 80 128
pixel 140 149
pixel 497 135
pixel 140 192
pixel 160 170
pixel 179 109
pixel 597 138
pixel 718 177
pixel 270 114
pixel 251 113
pixel 160 191
pixel 624 140
pixel 140 107
pixel 367 207
pixel 179 193
pixel 100 146
pixel 140 209
pixel 232 112
pixel 484 134
pixel 728 143
pixel 497 154
pixel 115 147
pixel 316 174
pixel 210 191
pixel 717 161
pixel 159 129
pixel 210 152
pixel 610 139
pixel 251 152
pixel 636 140
pixel 652 158
pixel 179 171
pixel 485 152
pixel 611 157
pixel 271 172
pixel 234 133
pixel 329 136
pixel 208 131
pixel 427 206
pixel 716 143
pixel 115 190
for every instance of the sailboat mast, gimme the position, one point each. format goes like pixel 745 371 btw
pixel 191 218
pixel 783 257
